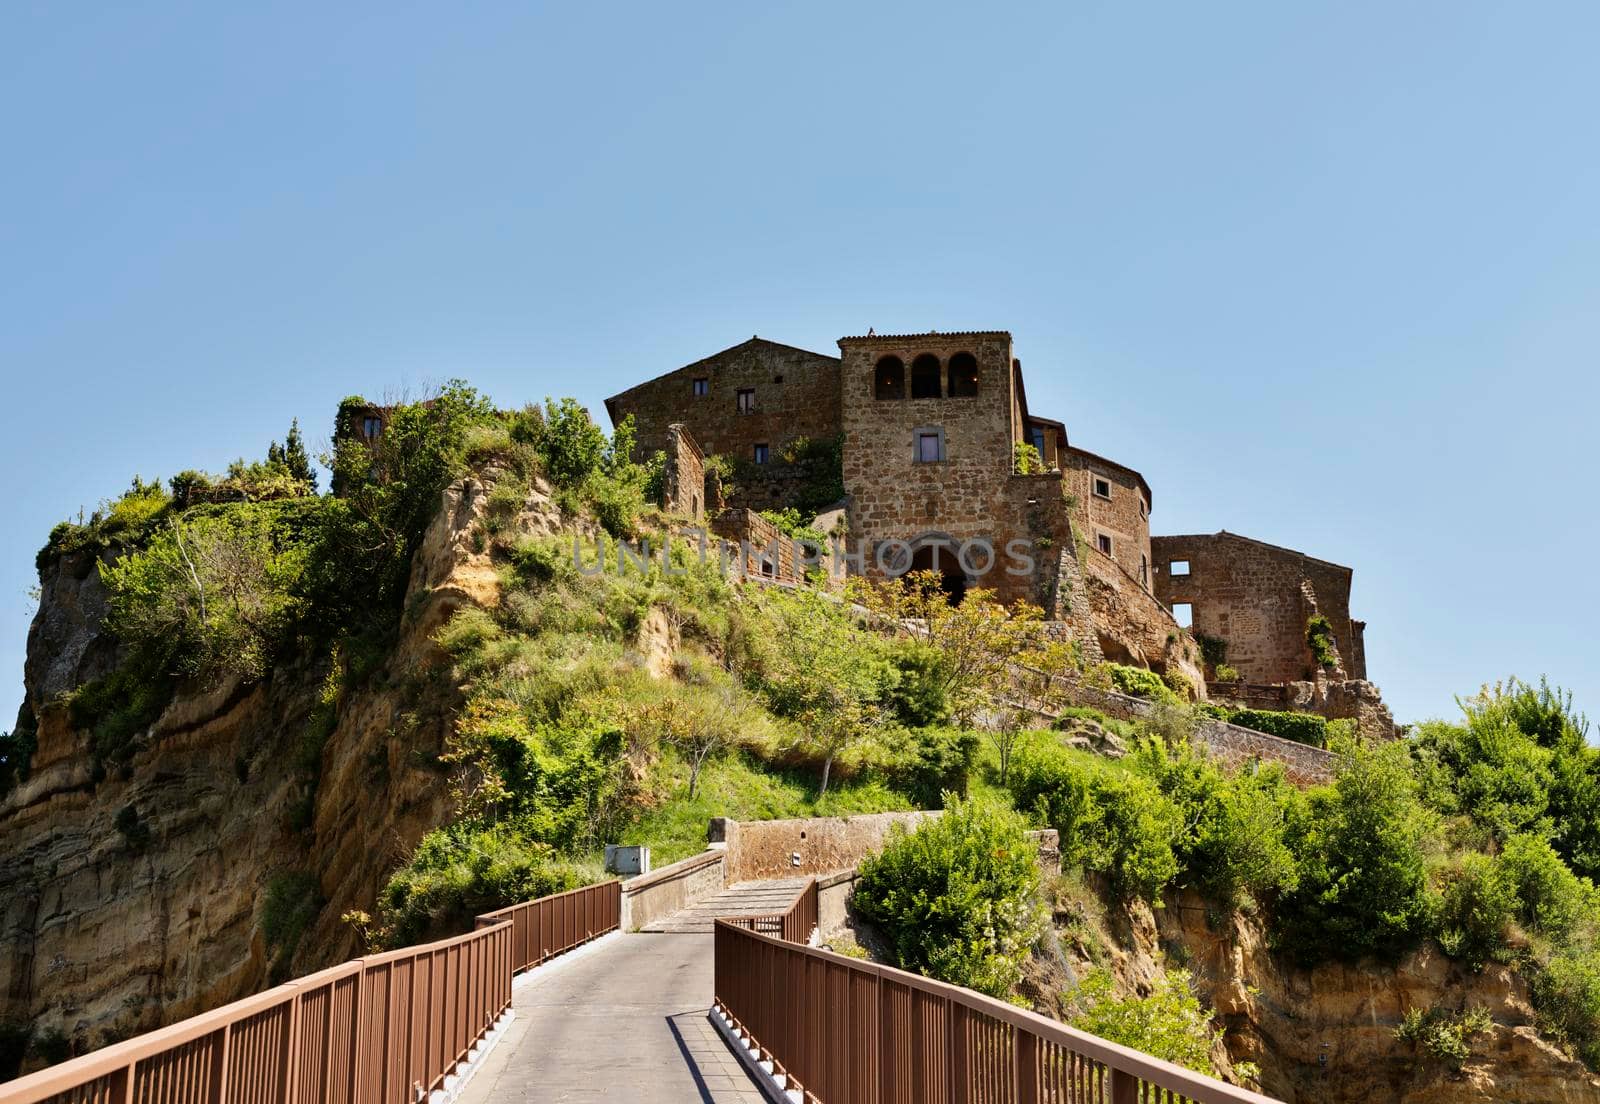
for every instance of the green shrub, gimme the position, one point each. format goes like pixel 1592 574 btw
pixel 135 832
pixel 1233 844
pixel 919 697
pixel 934 762
pixel 1319 638
pixel 1302 728
pixel 1566 995
pixel 957 897
pixel 1138 682
pixel 14 1039
pixel 1111 821
pixel 1360 846
pixel 1551 899
pixel 1168 1023
pixel 1443 1034
pixel 571 445
pixel 1227 672
pixel 458 873
pixel 1477 904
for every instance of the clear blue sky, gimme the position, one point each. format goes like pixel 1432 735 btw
pixel 1329 275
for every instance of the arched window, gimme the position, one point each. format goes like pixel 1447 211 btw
pixel 889 378
pixel 925 377
pixel 964 376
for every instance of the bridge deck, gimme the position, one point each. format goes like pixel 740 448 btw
pixel 624 1022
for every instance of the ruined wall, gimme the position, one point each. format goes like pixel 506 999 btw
pixel 796 395
pixel 1132 627
pixel 1122 513
pixel 1249 594
pixel 759 548
pixel 684 480
pixel 971 492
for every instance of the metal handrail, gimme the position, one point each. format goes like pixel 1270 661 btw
pixel 383 1029
pixel 916 1033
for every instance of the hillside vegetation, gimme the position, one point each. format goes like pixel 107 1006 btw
pixel 594 706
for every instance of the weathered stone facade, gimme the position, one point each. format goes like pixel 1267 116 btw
pixel 1259 598
pixel 930 424
pixel 791 393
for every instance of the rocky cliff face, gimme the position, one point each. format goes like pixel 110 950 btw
pixel 112 922
pixel 1326 1035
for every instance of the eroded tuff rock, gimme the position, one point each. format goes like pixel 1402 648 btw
pixel 103 933
pixel 1326 1035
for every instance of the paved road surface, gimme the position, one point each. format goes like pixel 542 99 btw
pixel 624 1022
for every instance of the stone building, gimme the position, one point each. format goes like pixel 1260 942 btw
pixel 1258 599
pixel 929 426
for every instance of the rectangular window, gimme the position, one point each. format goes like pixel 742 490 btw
pixel 1102 541
pixel 930 448
pixel 1178 569
pixel 702 387
pixel 761 454
pixel 1144 569
pixel 1183 614
pixel 747 400
pixel 371 427
pixel 1038 441
pixel 1102 487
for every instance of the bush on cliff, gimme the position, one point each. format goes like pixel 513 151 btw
pixel 1112 820
pixel 957 897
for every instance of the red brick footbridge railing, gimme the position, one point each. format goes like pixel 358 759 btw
pixel 837 1030
pixel 387 1029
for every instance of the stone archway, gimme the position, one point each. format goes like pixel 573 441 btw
pixel 940 557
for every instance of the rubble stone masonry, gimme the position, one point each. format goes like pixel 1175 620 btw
pixel 1254 596
pixel 792 393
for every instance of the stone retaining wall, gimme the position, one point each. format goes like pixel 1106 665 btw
pixel 672 888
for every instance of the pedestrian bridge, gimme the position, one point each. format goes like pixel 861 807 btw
pixel 550 1001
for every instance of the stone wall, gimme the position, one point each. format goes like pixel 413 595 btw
pixel 759 849
pixel 1251 595
pixel 1122 513
pixel 760 549
pixel 970 492
pixel 1335 699
pixel 684 479
pixel 796 394
pixel 1132 627
pixel 672 888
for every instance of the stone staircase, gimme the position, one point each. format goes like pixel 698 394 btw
pixel 739 899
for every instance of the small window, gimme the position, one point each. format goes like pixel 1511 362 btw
pixel 371 427
pixel 1183 614
pixel 964 376
pixel 1144 507
pixel 747 400
pixel 1178 569
pixel 1144 569
pixel 1102 541
pixel 761 454
pixel 930 447
pixel 702 387
pixel 925 377
pixel 889 378
pixel 1102 487
pixel 1037 436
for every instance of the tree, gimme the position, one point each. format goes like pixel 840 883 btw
pixel 824 673
pixel 978 639
pixel 1037 679
pixel 295 457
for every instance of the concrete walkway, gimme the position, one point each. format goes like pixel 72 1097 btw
pixel 739 899
pixel 625 1021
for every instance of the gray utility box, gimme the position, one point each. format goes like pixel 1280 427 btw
pixel 627 861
